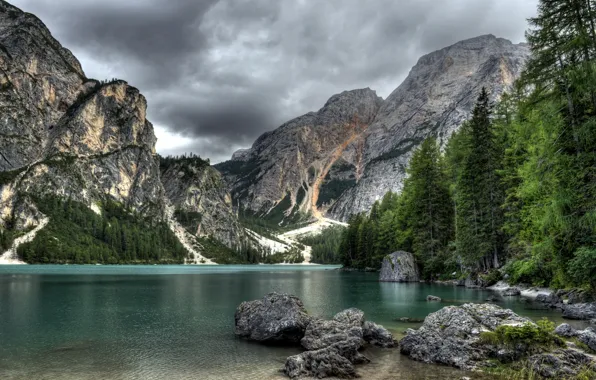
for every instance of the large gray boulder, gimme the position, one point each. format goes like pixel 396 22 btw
pixel 275 318
pixel 335 360
pixel 450 335
pixel 583 311
pixel 333 346
pixel 399 267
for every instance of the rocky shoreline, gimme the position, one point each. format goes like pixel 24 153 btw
pixel 470 337
pixel 332 347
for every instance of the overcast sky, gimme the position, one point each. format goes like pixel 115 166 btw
pixel 218 73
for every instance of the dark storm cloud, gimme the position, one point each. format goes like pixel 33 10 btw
pixel 217 73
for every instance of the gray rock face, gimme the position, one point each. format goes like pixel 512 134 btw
pixel 275 318
pixel 399 267
pixel 363 143
pixel 583 311
pixel 39 80
pixel 449 336
pixel 197 189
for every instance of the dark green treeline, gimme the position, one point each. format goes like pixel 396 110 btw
pixel 515 187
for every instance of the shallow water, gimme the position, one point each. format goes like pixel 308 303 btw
pixel 176 322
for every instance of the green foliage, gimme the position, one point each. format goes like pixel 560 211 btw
pixel 77 235
pixel 332 189
pixel 325 246
pixel 539 335
pixel 492 277
pixel 291 256
pixel 582 268
pixel 184 162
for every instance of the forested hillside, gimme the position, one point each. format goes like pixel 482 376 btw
pixel 515 188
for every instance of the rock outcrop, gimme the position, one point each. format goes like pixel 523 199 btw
pixel 450 335
pixel 454 336
pixel 277 318
pixel 399 267
pixel 201 200
pixel 341 159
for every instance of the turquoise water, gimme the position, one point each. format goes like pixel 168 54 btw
pixel 176 322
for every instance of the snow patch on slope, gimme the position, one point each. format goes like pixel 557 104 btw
pixel 10 257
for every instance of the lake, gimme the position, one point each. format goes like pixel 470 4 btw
pixel 177 322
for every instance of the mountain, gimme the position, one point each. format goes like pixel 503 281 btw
pixel 286 172
pixel 339 160
pixel 71 145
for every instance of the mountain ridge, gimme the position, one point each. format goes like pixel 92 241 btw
pixel 433 100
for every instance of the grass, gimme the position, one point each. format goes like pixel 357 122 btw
pixel 539 335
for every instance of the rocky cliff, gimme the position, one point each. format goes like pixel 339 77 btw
pixel 200 199
pixel 340 164
pixel 64 135
pixel 287 172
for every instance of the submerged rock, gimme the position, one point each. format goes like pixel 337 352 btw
pixel 399 267
pixel 583 311
pixel 511 292
pixel 433 298
pixel 450 335
pixel 277 318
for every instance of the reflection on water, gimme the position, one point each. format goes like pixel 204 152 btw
pixel 177 322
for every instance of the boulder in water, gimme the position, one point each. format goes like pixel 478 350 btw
pixel 511 292
pixel 335 360
pixel 433 298
pixel 277 318
pixel 399 267
pixel 583 311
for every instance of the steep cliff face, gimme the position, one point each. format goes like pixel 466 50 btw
pixel 39 79
pixel 201 200
pixel 285 171
pixel 64 135
pixel 338 167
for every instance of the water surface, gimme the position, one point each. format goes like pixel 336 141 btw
pixel 176 322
